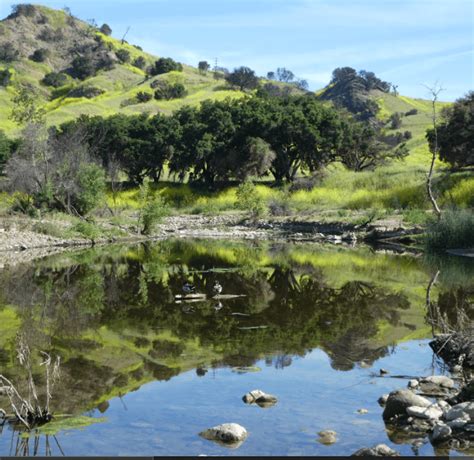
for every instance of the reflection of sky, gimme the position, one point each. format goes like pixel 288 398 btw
pixel 163 418
pixel 408 42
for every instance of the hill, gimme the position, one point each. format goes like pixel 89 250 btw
pixel 58 38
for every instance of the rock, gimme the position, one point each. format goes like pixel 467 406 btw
pixel 413 383
pixel 441 432
pixel 444 406
pixel 227 433
pixel 439 380
pixel 458 423
pixel 432 412
pixel 462 410
pixel 398 401
pixel 383 400
pixel 327 437
pixel 383 372
pixel 362 411
pixel 259 397
pixel 380 450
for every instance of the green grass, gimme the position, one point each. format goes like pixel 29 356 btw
pixel 455 230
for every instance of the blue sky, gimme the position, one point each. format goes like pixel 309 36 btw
pixel 408 42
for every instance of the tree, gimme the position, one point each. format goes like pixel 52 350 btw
pixel 139 62
pixel 143 96
pixel 203 66
pixel 165 65
pixel 302 84
pixel 395 120
pixel 6 147
pixel 285 75
pixel 243 78
pixel 54 79
pixel 271 75
pixel 456 133
pixel 5 77
pixel 8 53
pixel 83 67
pixel 40 55
pixel 434 147
pixel 25 108
pixel 123 55
pixel 105 29
pixel 169 91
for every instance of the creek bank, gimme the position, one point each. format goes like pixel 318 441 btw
pixel 456 350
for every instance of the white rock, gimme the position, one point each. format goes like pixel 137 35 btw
pixel 444 406
pixel 362 411
pixel 463 410
pixel 259 397
pixel 327 437
pixel 432 412
pixel 228 433
pixel 440 380
pixel 413 383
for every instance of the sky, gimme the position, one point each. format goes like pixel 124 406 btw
pixel 411 43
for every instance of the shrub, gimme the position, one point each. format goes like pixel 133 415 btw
pixel 91 182
pixel 143 96
pixel 87 230
pixel 51 35
pixel 5 77
pixel 105 29
pixel 249 200
pixel 83 67
pixel 167 91
pixel 395 120
pixel 165 65
pixel 88 92
pixel 123 55
pixel 139 62
pixel 453 231
pixel 153 209
pixel 8 52
pixel 407 135
pixel 411 112
pixel 40 55
pixel 54 79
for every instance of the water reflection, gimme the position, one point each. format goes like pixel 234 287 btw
pixel 112 314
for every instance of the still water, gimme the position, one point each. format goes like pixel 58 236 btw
pixel 310 324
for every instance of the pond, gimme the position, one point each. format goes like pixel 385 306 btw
pixel 146 372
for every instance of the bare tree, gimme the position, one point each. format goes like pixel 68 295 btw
pixel 434 92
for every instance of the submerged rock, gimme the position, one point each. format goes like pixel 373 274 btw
pixel 380 450
pixel 441 432
pixel 383 400
pixel 362 411
pixel 398 401
pixel 259 397
pixel 432 412
pixel 227 433
pixel 327 437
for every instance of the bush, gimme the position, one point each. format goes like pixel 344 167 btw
pixel 5 77
pixel 167 91
pixel 411 112
pixel 8 52
pixel 83 67
pixel 87 230
pixel 105 29
pixel 54 79
pixel 249 200
pixel 453 231
pixel 395 120
pixel 40 55
pixel 143 96
pixel 51 35
pixel 139 62
pixel 165 65
pixel 153 209
pixel 91 182
pixel 407 135
pixel 88 92
pixel 123 55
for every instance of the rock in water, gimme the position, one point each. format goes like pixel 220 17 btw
pixel 439 380
pixel 260 398
pixel 413 384
pixel 227 433
pixel 380 450
pixel 398 401
pixel 383 400
pixel 327 437
pixel 441 432
pixel 463 410
pixel 432 412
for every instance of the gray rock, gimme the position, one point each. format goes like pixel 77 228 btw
pixel 383 400
pixel 398 401
pixel 444 406
pixel 362 411
pixel 441 432
pixel 380 450
pixel 432 412
pixel 227 433
pixel 462 410
pixel 458 423
pixel 413 383
pixel 259 397
pixel 440 380
pixel 383 372
pixel 327 437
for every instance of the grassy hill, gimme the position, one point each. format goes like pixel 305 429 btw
pixel 120 84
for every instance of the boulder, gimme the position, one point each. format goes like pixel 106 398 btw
pixel 439 380
pixel 413 383
pixel 227 433
pixel 441 432
pixel 327 437
pixel 260 398
pixel 398 401
pixel 458 423
pixel 462 410
pixel 432 412
pixel 380 450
